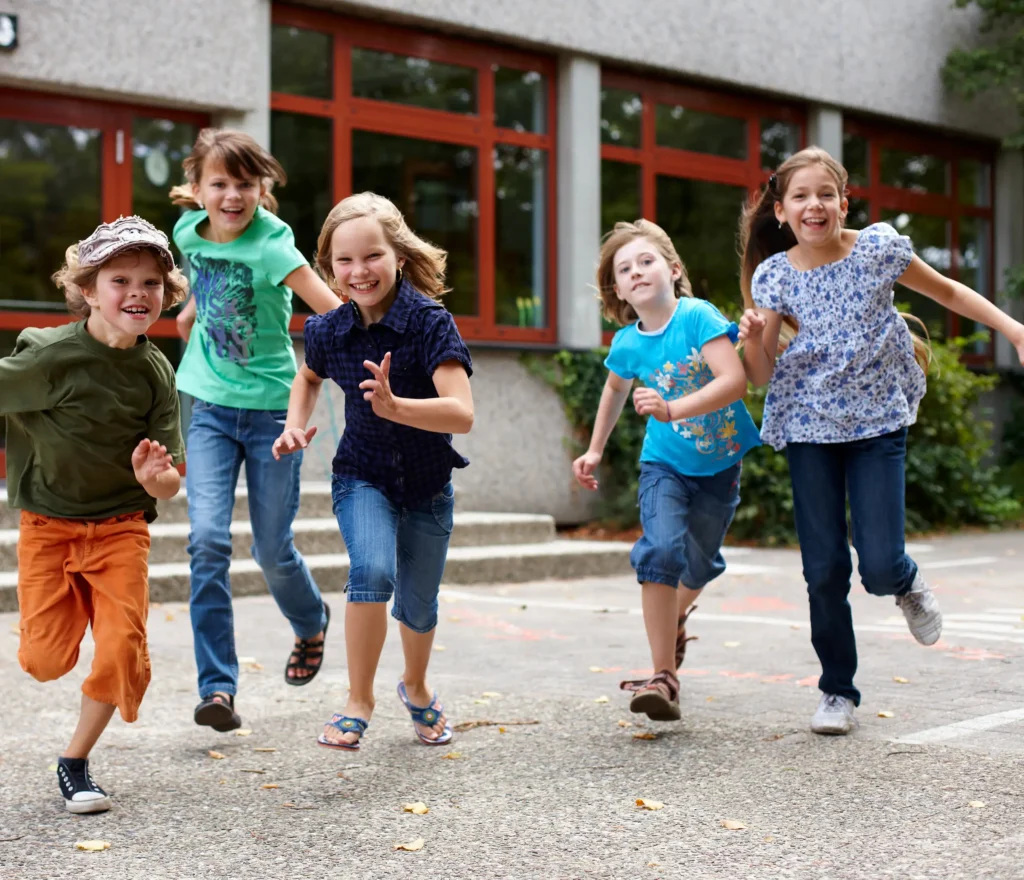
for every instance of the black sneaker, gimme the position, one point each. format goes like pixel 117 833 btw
pixel 81 794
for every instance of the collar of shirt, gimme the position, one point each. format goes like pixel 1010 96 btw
pixel 397 317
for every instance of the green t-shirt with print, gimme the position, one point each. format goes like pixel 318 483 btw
pixel 239 353
pixel 76 409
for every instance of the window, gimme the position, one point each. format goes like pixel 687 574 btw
pixel 458 135
pixel 938 191
pixel 688 159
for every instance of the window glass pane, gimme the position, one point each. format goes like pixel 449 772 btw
pixel 974 182
pixel 974 262
pixel 917 172
pixel 620 201
pixel 300 62
pixel 158 148
pixel 779 141
pixel 621 117
pixel 50 180
pixel 859 214
pixel 700 218
pixel 384 76
pixel 930 236
pixel 434 186
pixel 302 144
pixel 701 132
pixel 520 239
pixel 520 99
pixel 855 159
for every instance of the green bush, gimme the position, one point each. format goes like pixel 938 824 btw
pixel 948 484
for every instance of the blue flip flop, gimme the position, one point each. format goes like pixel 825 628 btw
pixel 345 724
pixel 427 716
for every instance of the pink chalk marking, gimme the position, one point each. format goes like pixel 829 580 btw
pixel 810 681
pixel 774 679
pixel 749 604
pixel 729 673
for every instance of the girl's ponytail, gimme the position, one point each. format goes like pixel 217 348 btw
pixel 182 195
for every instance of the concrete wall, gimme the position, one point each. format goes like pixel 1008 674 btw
pixel 872 56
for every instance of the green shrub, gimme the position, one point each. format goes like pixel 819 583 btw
pixel 947 483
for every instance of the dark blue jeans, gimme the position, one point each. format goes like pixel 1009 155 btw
pixel 870 474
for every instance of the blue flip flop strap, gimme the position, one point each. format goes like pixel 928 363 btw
pixel 428 716
pixel 349 725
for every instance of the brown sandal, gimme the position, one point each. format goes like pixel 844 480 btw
pixel 682 638
pixel 657 696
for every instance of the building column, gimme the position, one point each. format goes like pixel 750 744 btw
pixel 579 200
pixel 1009 243
pixel 255 120
pixel 825 129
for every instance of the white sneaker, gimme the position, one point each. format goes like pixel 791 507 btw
pixel 834 716
pixel 921 609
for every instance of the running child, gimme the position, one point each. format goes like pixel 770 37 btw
pixel 238 366
pixel 93 437
pixel 842 394
pixel 396 353
pixel 682 350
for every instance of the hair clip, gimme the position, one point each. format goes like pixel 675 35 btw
pixel 773 184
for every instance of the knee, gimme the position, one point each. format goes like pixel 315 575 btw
pixel 47 665
pixel 209 539
pixel 275 555
pixel 371 580
pixel 829 578
pixel 658 560
pixel 418 615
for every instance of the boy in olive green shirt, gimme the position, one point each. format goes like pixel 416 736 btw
pixel 93 437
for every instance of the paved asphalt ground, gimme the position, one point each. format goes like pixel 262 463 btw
pixel 935 788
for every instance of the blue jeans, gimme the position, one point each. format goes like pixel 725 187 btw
pixel 870 473
pixel 220 438
pixel 394 550
pixel 685 520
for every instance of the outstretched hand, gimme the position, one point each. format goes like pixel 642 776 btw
pixel 292 440
pixel 752 325
pixel 378 389
pixel 149 460
pixel 648 402
pixel 583 469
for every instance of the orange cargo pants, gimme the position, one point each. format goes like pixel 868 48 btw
pixel 72 573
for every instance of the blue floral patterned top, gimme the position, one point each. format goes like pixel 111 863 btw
pixel 850 373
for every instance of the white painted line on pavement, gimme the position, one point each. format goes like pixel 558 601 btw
pixel 962 728
pixel 960 563
pixel 1019 611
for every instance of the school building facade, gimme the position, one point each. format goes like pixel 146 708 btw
pixel 512 135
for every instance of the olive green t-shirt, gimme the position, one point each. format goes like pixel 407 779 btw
pixel 76 409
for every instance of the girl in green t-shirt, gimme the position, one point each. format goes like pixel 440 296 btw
pixel 238 366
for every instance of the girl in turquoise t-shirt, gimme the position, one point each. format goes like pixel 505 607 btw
pixel 682 349
pixel 239 365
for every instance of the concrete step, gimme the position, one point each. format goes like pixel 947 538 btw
pixel 321 536
pixel 488 564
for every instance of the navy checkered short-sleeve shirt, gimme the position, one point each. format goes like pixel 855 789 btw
pixel 408 464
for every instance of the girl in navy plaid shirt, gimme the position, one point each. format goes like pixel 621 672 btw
pixel 397 355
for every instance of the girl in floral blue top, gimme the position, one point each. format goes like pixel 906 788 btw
pixel 846 377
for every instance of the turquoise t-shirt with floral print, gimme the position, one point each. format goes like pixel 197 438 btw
pixel 670 360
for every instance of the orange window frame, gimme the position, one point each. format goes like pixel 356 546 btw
pixel 476 130
pixel 882 197
pixel 655 160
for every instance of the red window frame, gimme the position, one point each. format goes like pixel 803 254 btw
pixel 654 160
pixel 881 197
pixel 476 130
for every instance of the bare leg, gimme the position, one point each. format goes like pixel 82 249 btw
pixel 366 628
pixel 686 598
pixel 92 721
pixel 661 610
pixel 416 647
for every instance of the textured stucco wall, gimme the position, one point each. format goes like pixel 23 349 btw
pixel 519 458
pixel 873 56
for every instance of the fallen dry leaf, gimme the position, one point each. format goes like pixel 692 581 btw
pixel 244 660
pixel 597 669
pixel 471 725
pixel 254 667
pixel 266 749
pixel 649 805
pixel 491 695
pixel 341 775
pixel 217 756
pixel 794 626
pixel 601 700
pixel 169 616
pixel 413 846
pixel 291 806
pixel 482 702
pixel 899 679
pixel 625 723
pixel 885 714
pixel 454 618
pixel 222 782
pixel 732 824
pixel 440 648
pixel 251 770
pixel 731 644
pixel 52 768
pixel 710 699
pixel 502 730
pixel 243 732
pixel 768 838
pixel 645 734
pixel 269 785
pixel 976 804
pixel 451 756
pixel 418 808
pixel 92 845
pixel 653 865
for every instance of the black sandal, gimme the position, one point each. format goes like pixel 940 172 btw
pixel 682 638
pixel 304 651
pixel 218 711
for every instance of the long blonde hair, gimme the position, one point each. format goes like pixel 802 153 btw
pixel 241 157
pixel 761 236
pixel 618 310
pixel 74 279
pixel 425 263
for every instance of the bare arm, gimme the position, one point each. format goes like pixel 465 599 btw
pixel 301 401
pixel 759 332
pixel 451 412
pixel 312 290
pixel 613 399
pixel 959 298
pixel 155 471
